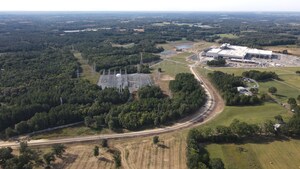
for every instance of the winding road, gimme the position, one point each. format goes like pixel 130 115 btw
pixel 213 106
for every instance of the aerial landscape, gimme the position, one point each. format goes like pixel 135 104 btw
pixel 88 87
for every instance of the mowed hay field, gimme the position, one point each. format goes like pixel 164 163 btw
pixel 137 153
pixel 268 155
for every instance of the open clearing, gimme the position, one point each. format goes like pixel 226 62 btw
pixel 80 130
pixel 87 71
pixel 249 114
pixel 278 154
pixel 229 35
pixel 181 57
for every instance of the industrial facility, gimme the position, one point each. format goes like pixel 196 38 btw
pixel 122 81
pixel 228 51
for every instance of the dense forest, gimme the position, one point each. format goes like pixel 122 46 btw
pixel 227 85
pixel 152 107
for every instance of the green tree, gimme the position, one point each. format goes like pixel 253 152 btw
pixel 298 98
pixel 48 158
pixel 117 159
pixel 155 139
pixel 272 90
pixel 104 143
pixel 58 149
pixel 5 154
pixel 216 163
pixel 292 101
pixel 88 121
pixel 96 151
pixel 278 118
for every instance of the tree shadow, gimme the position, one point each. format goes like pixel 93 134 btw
pixel 263 139
pixel 163 146
pixel 280 96
pixel 105 160
pixel 67 159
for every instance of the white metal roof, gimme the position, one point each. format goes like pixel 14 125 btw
pixel 259 52
pixel 237 51
pixel 215 51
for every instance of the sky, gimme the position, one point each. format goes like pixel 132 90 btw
pixel 150 5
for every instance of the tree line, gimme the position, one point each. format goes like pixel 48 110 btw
pixel 227 85
pixel 260 76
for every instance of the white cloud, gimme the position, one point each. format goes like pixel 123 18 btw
pixel 150 5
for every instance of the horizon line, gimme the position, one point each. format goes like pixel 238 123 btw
pixel 146 11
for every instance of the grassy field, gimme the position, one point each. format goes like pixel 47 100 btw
pixel 268 155
pixel 171 68
pixel 87 71
pixel 80 130
pixel 181 57
pixel 229 35
pixel 249 114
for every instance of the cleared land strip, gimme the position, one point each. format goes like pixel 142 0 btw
pixel 213 106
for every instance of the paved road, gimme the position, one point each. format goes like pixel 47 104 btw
pixel 206 113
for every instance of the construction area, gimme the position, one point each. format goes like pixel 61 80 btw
pixel 122 81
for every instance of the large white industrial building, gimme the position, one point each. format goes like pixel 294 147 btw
pixel 237 52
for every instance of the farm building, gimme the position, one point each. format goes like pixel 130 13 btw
pixel 237 52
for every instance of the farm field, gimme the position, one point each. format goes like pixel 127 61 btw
pixel 136 153
pixel 277 154
pixel 87 70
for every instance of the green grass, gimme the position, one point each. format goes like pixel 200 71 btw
pixel 80 130
pixel 181 57
pixel 229 35
pixel 267 155
pixel 171 68
pixel 249 114
pixel 284 91
pixel 87 72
